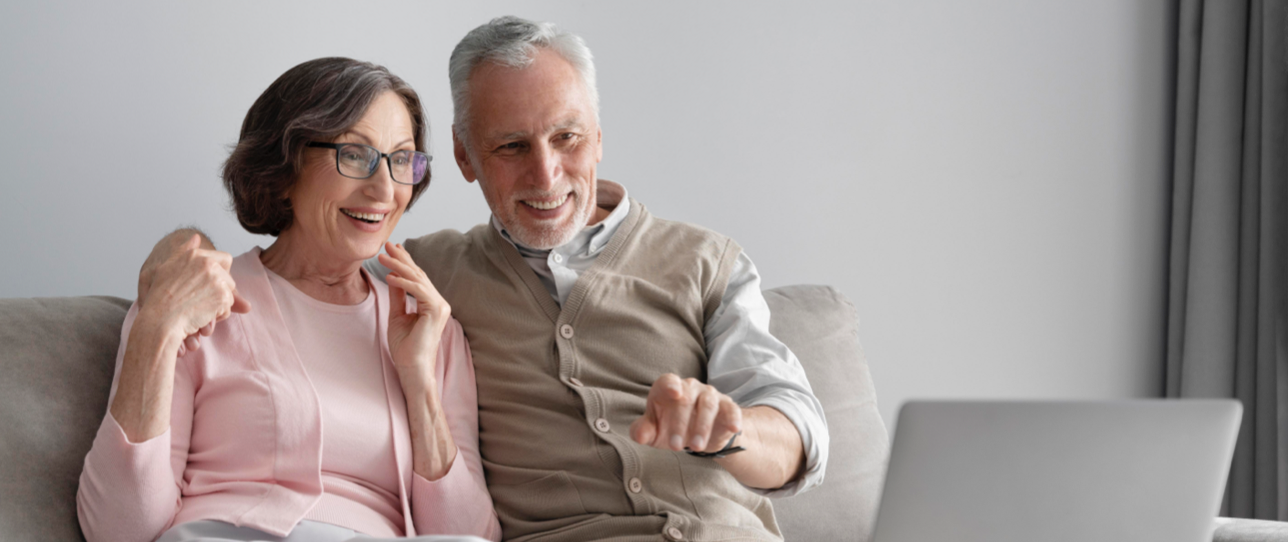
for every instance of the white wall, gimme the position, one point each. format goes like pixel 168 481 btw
pixel 986 180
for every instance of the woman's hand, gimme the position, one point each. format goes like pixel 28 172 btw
pixel 413 343
pixel 413 337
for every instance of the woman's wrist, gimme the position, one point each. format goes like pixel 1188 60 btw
pixel 420 388
pixel 416 362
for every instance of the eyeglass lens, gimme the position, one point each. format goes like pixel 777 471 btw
pixel 361 161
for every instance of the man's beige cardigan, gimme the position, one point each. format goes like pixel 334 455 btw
pixel 559 388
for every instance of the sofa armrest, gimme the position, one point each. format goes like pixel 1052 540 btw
pixel 57 355
pixel 821 327
pixel 1249 530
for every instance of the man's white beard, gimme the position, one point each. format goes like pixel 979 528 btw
pixel 548 238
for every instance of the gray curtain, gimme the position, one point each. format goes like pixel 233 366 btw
pixel 1227 333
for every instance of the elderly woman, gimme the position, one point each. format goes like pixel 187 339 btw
pixel 327 409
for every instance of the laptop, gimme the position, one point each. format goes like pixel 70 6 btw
pixel 1138 471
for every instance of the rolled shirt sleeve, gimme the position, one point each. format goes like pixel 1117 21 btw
pixel 754 368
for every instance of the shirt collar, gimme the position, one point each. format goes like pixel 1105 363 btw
pixel 608 195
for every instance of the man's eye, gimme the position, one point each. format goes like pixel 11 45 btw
pixel 510 147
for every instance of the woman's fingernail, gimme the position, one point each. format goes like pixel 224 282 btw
pixel 677 442
pixel 698 444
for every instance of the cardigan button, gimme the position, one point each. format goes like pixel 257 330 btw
pixel 674 533
pixel 565 331
pixel 602 425
pixel 636 485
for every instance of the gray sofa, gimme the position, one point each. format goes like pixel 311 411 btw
pixel 57 357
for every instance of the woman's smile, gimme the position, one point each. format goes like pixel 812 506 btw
pixel 364 218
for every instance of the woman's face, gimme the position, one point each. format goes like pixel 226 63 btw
pixel 340 218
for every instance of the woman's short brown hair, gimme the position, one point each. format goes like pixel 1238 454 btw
pixel 315 101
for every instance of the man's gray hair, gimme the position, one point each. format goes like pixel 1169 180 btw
pixel 511 41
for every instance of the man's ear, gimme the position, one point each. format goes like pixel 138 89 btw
pixel 462 157
pixel 599 144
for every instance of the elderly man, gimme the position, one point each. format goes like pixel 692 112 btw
pixel 628 385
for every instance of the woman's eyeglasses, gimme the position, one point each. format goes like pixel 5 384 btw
pixel 358 161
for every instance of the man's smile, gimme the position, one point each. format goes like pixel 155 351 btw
pixel 546 205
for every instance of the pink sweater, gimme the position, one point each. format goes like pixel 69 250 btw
pixel 341 351
pixel 245 438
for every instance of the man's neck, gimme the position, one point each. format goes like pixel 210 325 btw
pixel 598 216
pixel 608 195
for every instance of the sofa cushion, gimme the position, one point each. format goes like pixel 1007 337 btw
pixel 58 357
pixel 822 327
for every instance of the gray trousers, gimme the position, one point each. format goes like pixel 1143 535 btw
pixel 306 531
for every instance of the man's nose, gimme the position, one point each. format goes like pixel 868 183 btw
pixel 545 166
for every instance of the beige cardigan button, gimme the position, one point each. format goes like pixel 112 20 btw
pixel 602 425
pixel 565 331
pixel 636 485
pixel 674 533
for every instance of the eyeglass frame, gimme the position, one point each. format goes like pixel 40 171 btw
pixel 389 165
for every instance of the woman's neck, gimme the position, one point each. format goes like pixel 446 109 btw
pixel 339 283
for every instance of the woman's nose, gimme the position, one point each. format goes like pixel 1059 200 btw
pixel 380 185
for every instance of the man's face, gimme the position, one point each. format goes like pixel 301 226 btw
pixel 533 146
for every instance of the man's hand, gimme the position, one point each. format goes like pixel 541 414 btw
pixel 166 249
pixel 188 292
pixel 170 247
pixel 686 413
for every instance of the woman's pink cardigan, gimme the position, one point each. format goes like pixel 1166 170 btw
pixel 245 438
